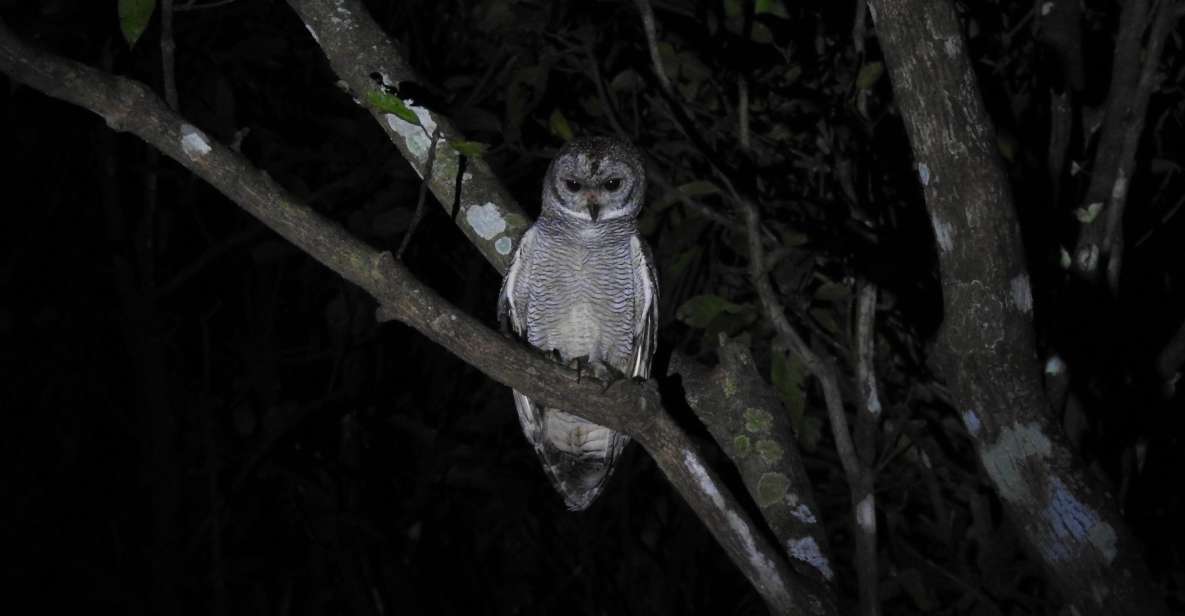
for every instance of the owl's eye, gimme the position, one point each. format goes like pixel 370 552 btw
pixel 572 185
pixel 612 184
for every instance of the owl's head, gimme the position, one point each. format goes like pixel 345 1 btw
pixel 595 179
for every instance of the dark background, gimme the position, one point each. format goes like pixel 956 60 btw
pixel 198 418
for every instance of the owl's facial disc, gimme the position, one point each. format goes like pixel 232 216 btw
pixel 595 189
pixel 596 179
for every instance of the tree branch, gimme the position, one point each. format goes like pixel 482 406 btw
pixel 629 406
pixel 986 348
pixel 1100 243
pixel 746 418
pixel 1169 362
pixel 867 420
pixel 360 53
pixel 859 476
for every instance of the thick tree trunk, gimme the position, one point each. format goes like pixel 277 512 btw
pixel 986 347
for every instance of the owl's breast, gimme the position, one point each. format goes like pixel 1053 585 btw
pixel 581 304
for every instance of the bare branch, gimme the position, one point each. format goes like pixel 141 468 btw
pixel 822 369
pixel 647 14
pixel 1100 243
pixel 602 92
pixel 418 215
pixel 867 421
pixel 859 30
pixel 213 253
pixel 168 49
pixel 1170 360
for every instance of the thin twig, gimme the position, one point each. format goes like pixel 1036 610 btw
pixel 1133 77
pixel 858 476
pixel 1008 36
pixel 192 5
pixel 1164 18
pixel 423 196
pixel 168 50
pixel 867 421
pixel 743 110
pixel 603 93
pixel 1170 360
pixel 858 29
pixel 1172 211
pixel 822 369
pixel 212 254
pixel 695 205
pixel 647 14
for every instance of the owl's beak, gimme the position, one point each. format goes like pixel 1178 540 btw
pixel 594 210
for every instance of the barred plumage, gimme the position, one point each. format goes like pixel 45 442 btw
pixel 583 284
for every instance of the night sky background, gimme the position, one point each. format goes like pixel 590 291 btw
pixel 197 418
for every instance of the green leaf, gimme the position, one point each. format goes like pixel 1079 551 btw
pixel 134 16
pixel 1087 214
pixel 472 149
pixel 700 310
pixel 394 105
pixel 788 376
pixel 558 125
pixel 869 74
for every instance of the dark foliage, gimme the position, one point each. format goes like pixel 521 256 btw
pixel 198 418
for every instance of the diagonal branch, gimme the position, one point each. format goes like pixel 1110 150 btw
pixel 630 406
pixel 365 59
pixel 744 415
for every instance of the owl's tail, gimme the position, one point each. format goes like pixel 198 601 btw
pixel 578 455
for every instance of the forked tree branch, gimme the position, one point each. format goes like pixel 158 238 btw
pixel 1133 79
pixel 629 406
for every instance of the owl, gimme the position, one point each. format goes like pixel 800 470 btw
pixel 582 288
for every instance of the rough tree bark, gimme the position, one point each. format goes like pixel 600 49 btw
pixel 986 348
pixel 746 418
pixel 629 406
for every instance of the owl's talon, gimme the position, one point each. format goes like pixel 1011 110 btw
pixel 580 364
pixel 613 377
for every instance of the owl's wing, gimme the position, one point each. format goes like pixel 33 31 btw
pixel 645 308
pixel 512 299
pixel 512 313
